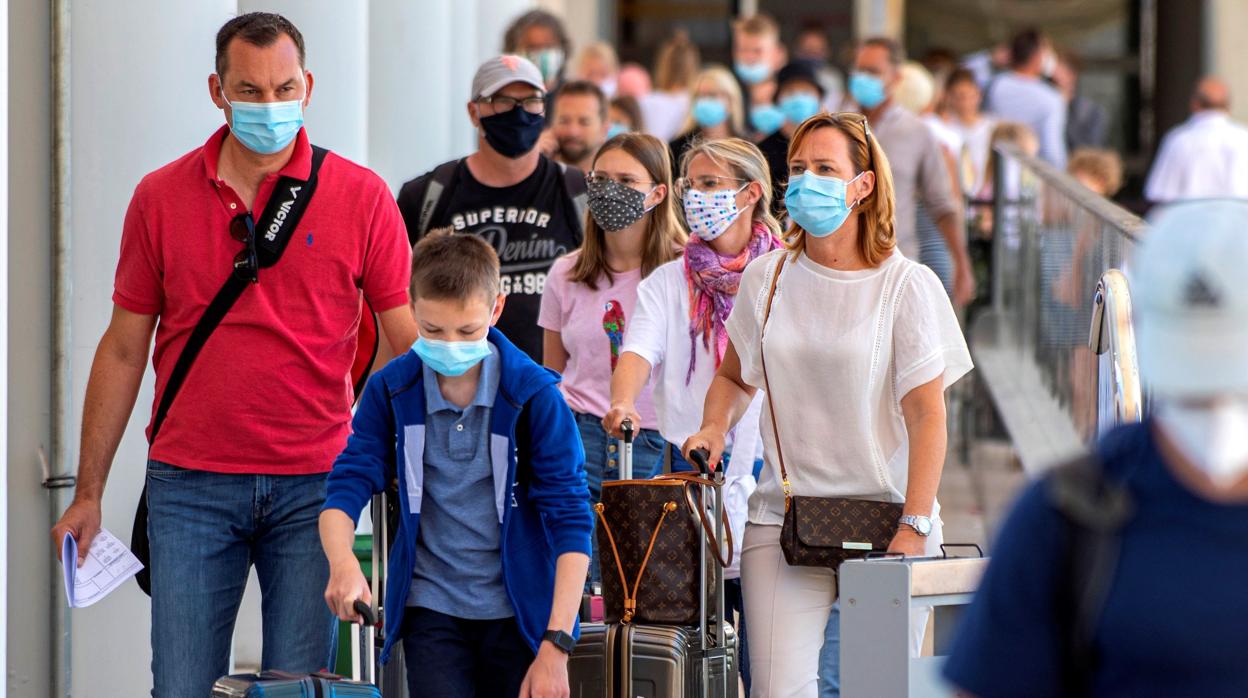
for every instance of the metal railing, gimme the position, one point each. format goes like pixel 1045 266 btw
pixel 1055 349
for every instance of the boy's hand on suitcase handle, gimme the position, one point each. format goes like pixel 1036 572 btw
pixel 707 440
pixel 82 521
pixel 347 585
pixel 548 675
pixel 619 413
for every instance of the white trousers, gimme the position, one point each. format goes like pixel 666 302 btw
pixel 787 609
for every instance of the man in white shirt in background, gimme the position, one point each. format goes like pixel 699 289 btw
pixel 1022 95
pixel 1205 156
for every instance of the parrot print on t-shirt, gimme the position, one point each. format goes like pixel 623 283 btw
pixel 613 325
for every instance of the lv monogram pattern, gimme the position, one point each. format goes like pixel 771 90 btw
pixel 816 529
pixel 668 592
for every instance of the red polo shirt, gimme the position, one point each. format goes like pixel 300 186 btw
pixel 271 390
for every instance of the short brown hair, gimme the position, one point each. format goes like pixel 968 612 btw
pixel 583 88
pixel 454 267
pixel 258 29
pixel 896 54
pixel 677 63
pixel 759 24
pixel 1102 165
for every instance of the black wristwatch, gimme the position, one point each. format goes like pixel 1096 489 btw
pixel 563 641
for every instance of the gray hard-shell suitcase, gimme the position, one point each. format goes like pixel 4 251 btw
pixel 662 661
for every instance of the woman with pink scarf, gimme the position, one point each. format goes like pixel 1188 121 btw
pixel 677 330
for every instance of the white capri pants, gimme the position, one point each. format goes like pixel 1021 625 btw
pixel 787 609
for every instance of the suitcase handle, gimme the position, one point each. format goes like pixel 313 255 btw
pixel 368 618
pixel 701 458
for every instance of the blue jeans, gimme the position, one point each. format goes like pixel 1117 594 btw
pixel 830 656
pixel 602 463
pixel 450 657
pixel 206 531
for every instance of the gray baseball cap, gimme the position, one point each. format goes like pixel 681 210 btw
pixel 500 71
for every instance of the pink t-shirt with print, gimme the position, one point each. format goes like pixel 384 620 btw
pixel 592 325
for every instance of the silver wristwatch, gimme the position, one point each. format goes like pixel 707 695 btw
pixel 922 525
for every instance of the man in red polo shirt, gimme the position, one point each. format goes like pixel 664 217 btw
pixel 236 475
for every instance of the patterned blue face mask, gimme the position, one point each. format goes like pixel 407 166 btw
pixel 265 127
pixel 818 203
pixel 710 213
pixel 452 358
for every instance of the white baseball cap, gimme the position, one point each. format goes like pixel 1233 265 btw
pixel 1189 287
pixel 500 71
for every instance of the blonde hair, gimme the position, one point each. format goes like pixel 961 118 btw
pixel 759 24
pixel 663 237
pixel 1102 165
pixel 876 212
pixel 916 90
pixel 726 84
pixel 676 63
pixel 600 50
pixel 744 160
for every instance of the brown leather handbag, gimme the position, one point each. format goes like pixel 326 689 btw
pixel 825 531
pixel 648 536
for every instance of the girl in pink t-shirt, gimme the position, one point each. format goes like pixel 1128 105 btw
pixel 632 229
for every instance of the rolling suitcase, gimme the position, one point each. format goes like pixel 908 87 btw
pixel 622 660
pixel 282 684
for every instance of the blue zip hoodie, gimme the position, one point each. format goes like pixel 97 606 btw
pixel 542 502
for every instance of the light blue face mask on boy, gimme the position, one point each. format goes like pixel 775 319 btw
pixel 818 203
pixel 452 358
pixel 265 127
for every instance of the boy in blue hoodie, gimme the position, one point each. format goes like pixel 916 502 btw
pixel 489 562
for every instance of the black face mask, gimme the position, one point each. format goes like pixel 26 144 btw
pixel 513 133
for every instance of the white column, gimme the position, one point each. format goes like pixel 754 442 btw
pixel 336 35
pixel 4 340
pixel 879 18
pixel 137 104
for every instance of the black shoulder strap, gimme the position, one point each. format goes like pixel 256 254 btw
pixel 578 194
pixel 439 180
pixel 1095 509
pixel 273 231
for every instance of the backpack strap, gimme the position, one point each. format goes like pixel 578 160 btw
pixel 578 194
pixel 1095 508
pixel 439 180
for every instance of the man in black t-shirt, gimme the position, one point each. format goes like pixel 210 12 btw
pixel 528 207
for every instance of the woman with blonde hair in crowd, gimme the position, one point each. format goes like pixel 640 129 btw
pixel 855 349
pixel 717 111
pixel 677 338
pixel 597 63
pixel 675 68
pixel 632 229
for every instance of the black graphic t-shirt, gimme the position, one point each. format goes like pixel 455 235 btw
pixel 530 225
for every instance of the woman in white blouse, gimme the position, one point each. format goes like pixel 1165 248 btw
pixel 861 344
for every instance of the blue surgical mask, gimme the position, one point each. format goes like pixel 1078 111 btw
pixel 451 358
pixel 709 111
pixel 766 119
pixel 616 129
pixel 818 203
pixel 799 107
pixel 265 127
pixel 752 73
pixel 867 90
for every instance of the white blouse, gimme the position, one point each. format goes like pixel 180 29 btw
pixel 843 349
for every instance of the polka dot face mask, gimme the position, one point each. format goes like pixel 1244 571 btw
pixel 615 206
pixel 710 213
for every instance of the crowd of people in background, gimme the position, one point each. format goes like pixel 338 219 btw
pixel 645 225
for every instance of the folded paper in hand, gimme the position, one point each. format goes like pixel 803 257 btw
pixel 108 564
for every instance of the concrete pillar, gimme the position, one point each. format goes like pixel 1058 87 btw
pixel 1226 52
pixel 137 105
pixel 4 334
pixel 879 18
pixel 336 35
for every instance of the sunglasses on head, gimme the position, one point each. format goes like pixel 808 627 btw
pixel 855 117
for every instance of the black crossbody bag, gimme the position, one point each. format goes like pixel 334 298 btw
pixel 272 233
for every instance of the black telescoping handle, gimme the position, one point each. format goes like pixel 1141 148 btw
pixel 365 611
pixel 701 458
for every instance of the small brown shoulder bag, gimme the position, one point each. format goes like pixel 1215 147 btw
pixel 824 531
